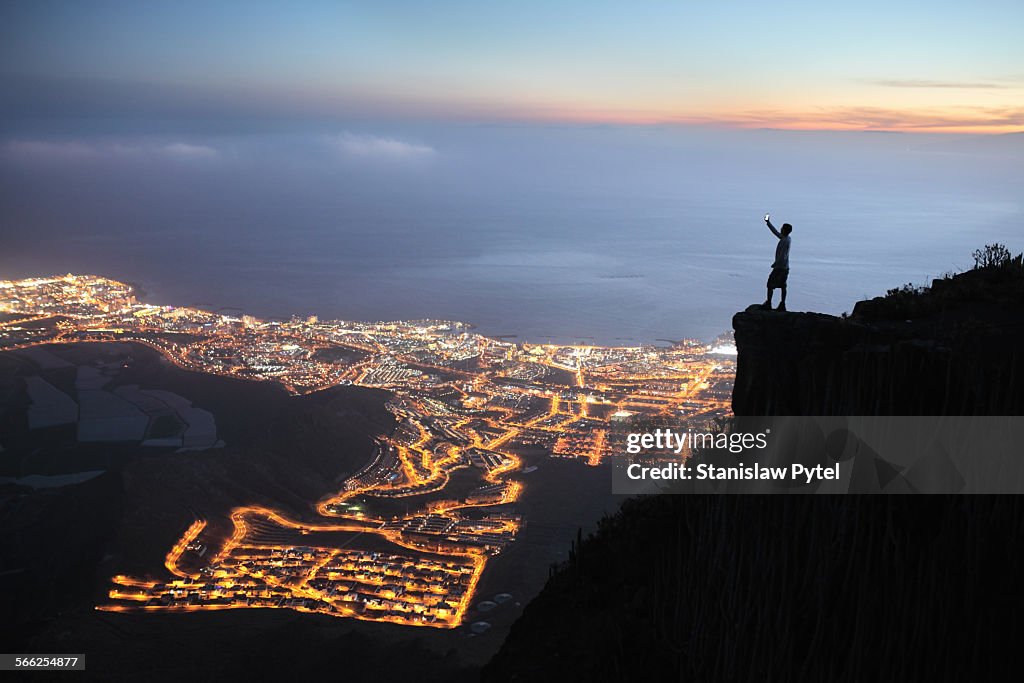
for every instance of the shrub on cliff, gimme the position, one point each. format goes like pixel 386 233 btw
pixel 997 277
pixel 992 256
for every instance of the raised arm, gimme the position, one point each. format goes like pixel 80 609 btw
pixel 772 227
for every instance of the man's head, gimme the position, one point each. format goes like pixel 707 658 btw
pixel 786 228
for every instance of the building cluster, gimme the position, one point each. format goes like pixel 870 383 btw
pixel 467 409
pixel 376 586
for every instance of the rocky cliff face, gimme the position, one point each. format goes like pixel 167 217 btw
pixel 953 349
pixel 843 588
pixel 752 588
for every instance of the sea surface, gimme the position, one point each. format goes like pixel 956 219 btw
pixel 616 235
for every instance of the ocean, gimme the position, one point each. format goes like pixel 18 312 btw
pixel 604 234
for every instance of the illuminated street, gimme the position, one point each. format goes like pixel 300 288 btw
pixel 406 538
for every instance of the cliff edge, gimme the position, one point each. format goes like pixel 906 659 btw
pixel 954 348
pixel 839 588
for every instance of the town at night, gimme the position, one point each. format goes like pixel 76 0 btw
pixel 405 538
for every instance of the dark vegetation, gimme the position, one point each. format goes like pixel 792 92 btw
pixel 996 279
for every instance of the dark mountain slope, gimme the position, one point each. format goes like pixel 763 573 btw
pixel 812 587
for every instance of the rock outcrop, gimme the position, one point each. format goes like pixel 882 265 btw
pixel 956 348
pixel 790 587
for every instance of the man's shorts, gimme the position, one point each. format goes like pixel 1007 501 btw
pixel 778 278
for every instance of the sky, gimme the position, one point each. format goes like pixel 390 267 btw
pixel 869 65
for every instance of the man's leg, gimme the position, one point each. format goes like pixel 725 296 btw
pixel 782 301
pixel 768 300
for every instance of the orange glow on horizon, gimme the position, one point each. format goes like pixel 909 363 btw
pixel 795 123
pixel 906 119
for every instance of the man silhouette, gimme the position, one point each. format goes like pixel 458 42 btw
pixel 780 268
